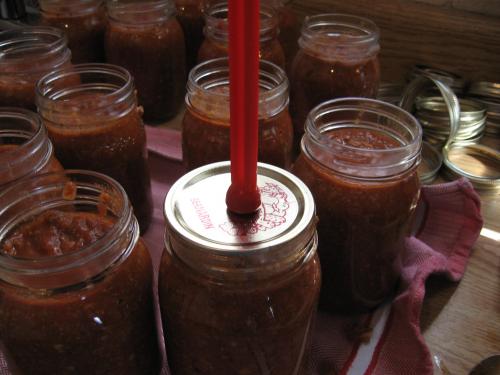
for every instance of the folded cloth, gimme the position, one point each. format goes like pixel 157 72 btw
pixel 376 343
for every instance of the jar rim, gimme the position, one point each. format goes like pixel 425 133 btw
pixel 341 28
pixel 361 162
pixel 46 94
pixel 349 103
pixel 34 141
pixel 42 39
pixel 218 27
pixel 78 6
pixel 220 66
pixel 126 13
pixel 50 265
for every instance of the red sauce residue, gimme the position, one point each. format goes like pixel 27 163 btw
pixel 363 138
pixel 55 233
pixel 69 191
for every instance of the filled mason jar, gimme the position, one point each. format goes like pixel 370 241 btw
pixel 83 21
pixel 25 148
pixel 289 29
pixel 338 57
pixel 216 43
pixel 190 14
pixel 359 157
pixel 146 38
pixel 75 278
pixel 238 293
pixel 93 120
pixel 27 54
pixel 206 125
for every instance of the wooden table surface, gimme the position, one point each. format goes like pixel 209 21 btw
pixel 461 321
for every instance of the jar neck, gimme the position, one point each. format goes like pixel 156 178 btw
pixel 20 48
pixel 140 13
pixel 69 8
pixel 25 147
pixel 217 25
pixel 334 37
pixel 69 192
pixel 208 90
pixel 389 144
pixel 85 95
pixel 244 266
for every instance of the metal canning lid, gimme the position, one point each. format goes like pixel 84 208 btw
pixel 488 89
pixel 430 164
pixel 422 83
pixel 454 81
pixel 479 163
pixel 390 92
pixel 197 220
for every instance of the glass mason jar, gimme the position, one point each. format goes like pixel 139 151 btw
pixel 25 148
pixel 75 278
pixel 93 120
pixel 289 27
pixel 190 14
pixel 359 157
pixel 27 54
pixel 145 38
pixel 338 57
pixel 206 125
pixel 83 21
pixel 216 42
pixel 238 294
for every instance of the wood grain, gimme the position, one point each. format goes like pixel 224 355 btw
pixel 465 42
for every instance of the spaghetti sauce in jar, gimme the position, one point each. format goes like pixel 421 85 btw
pixel 190 14
pixel 26 55
pixel 359 157
pixel 93 120
pixel 25 148
pixel 146 39
pixel 289 29
pixel 83 21
pixel 338 57
pixel 206 125
pixel 216 42
pixel 238 293
pixel 75 278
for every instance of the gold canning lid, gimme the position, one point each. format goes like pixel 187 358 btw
pixel 479 163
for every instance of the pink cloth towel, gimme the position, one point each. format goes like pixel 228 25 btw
pixel 387 341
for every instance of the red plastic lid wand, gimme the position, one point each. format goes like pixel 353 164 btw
pixel 243 196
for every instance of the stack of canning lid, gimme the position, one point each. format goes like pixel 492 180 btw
pixel 488 94
pixel 452 80
pixel 433 114
pixel 390 92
